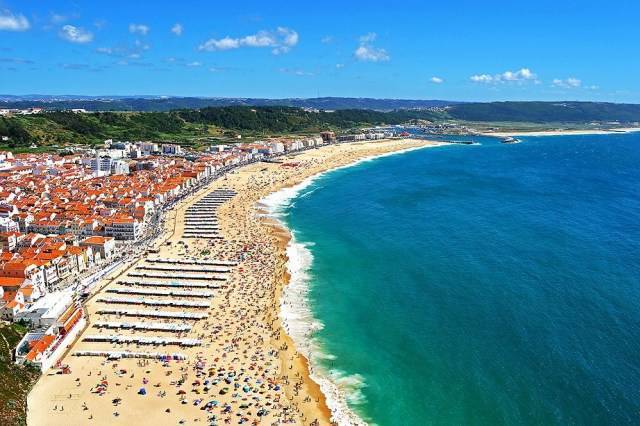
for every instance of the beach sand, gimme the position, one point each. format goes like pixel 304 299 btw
pixel 247 367
pixel 564 132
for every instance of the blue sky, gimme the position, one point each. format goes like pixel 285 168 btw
pixel 457 50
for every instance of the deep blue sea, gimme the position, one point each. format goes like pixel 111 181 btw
pixel 487 285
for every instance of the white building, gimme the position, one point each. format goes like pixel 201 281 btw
pixel 101 165
pixel 102 246
pixel 147 148
pixel 104 165
pixel 123 229
pixel 276 147
pixel 171 149
pixel 8 225
pixel 119 167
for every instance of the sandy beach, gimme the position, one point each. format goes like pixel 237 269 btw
pixel 239 365
pixel 564 132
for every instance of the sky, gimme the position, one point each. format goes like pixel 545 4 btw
pixel 453 50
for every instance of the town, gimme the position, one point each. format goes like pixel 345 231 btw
pixel 68 219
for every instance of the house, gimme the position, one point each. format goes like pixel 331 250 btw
pixel 28 269
pixel 104 246
pixel 126 228
pixel 8 241
pixel 45 311
pixel 11 309
pixel 8 225
pixel 171 149
pixel 328 137
pixel 44 347
pixel 82 256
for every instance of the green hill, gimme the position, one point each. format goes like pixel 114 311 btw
pixel 546 112
pixel 186 126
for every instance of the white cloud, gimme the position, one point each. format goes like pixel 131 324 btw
pixel 11 22
pixel 76 34
pixel 105 50
pixel 289 39
pixel 339 66
pixel 569 83
pixel 280 41
pixel 520 76
pixel 221 44
pixel 437 80
pixel 141 45
pixel 300 73
pixel 368 53
pixel 58 19
pixel 194 64
pixel 368 38
pixel 141 29
pixel 371 54
pixel 481 78
pixel 134 51
pixel 326 39
pixel 177 29
pixel 574 82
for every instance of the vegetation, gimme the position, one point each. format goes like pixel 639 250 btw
pixel 15 380
pixel 15 132
pixel 59 128
pixel 199 127
pixel 287 119
pixel 546 112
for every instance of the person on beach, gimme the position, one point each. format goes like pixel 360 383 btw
pixel 244 348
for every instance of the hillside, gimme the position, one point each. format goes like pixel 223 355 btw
pixel 202 126
pixel 546 112
pixel 15 380
pixel 187 126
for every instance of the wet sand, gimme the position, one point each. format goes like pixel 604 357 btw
pixel 246 368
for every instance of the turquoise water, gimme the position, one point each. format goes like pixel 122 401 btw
pixel 492 284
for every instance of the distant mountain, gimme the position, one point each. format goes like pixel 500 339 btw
pixel 51 98
pixel 160 103
pixel 546 112
pixel 534 112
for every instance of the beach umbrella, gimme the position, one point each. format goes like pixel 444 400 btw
pixel 182 392
pixel 142 391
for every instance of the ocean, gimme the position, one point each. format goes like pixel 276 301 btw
pixel 488 284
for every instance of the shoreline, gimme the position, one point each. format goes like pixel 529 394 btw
pixel 300 325
pixel 245 331
pixel 622 130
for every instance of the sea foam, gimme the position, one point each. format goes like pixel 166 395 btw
pixel 340 388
